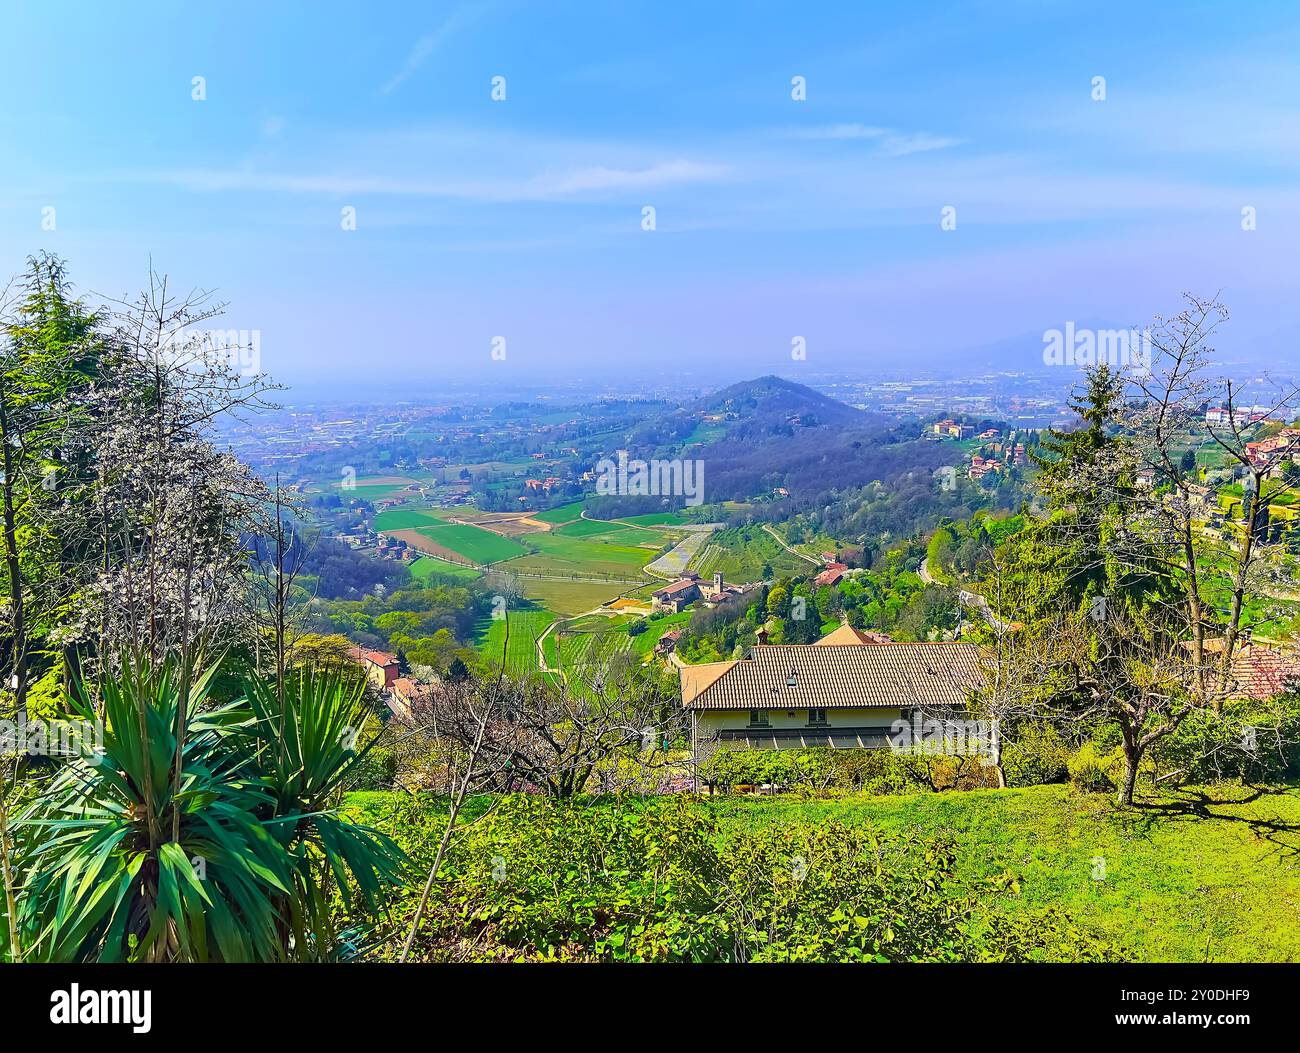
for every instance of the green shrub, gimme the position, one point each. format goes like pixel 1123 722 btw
pixel 1248 740
pixel 1093 771
pixel 611 880
pixel 1034 754
pixel 377 770
pixel 824 770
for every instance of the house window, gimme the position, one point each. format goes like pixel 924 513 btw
pixel 758 718
pixel 817 718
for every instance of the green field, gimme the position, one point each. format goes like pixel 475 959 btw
pixel 474 543
pixel 526 627
pixel 372 488
pixel 569 597
pixel 407 518
pixel 616 533
pixel 561 514
pixel 582 557
pixel 657 519
pixel 371 491
pixel 589 527
pixel 428 566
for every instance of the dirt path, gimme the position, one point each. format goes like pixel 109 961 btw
pixel 793 551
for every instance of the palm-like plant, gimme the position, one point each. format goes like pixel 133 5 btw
pixel 223 850
pixel 305 739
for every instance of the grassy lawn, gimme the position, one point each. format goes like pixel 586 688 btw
pixel 1200 875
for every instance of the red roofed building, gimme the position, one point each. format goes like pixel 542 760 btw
pixel 380 666
pixel 1261 673
pixel 832 575
pixel 676 597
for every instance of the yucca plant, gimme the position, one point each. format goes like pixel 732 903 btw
pixel 227 856
pixel 306 740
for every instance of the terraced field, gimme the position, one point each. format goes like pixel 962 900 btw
pixel 581 653
pixel 526 628
pixel 673 562
pixel 742 560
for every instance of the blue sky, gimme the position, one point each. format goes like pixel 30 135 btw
pixel 774 218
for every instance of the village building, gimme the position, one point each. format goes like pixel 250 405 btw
pixel 950 429
pixel 847 695
pixel 675 597
pixel 380 666
pixel 667 643
pixel 406 695
pixel 690 588
pixel 832 575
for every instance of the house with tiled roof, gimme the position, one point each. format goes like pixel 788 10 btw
pixel 847 695
pixel 380 666
pixel 1260 670
pixel 406 695
pixel 677 596
pixel 832 575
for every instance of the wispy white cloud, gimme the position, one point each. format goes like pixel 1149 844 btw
pixel 889 142
pixel 902 145
pixel 425 46
pixel 569 184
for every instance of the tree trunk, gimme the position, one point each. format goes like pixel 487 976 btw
pixel 13 567
pixel 1131 760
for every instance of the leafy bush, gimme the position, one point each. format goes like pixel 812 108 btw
pixel 536 878
pixel 1093 771
pixel 824 770
pixel 1248 740
pixel 376 770
pixel 1035 754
